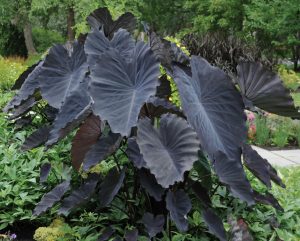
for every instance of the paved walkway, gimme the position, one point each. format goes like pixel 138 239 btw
pixel 280 158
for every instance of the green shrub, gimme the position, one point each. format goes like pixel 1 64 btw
pixel 280 137
pixel 20 189
pixel 44 39
pixel 262 131
pixel 265 222
pixel 12 41
pixel 289 77
pixel 32 59
pixel 296 97
pixel 10 69
pixel 298 135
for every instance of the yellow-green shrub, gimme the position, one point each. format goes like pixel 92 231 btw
pixel 53 232
pixel 289 77
pixel 10 70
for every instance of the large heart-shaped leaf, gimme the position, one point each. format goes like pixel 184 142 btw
pixel 134 153
pixel 110 186
pixel 160 47
pixel 36 139
pixel 75 109
pixel 27 89
pixel 51 198
pixel 24 107
pixel 79 196
pixel 231 172
pixel 179 205
pixel 149 182
pixel 85 138
pixel 22 78
pixel 44 172
pixel 104 147
pixel 120 89
pixel 153 224
pixel 260 167
pixel 213 107
pixel 214 224
pixel 169 150
pixel 96 44
pixel 62 72
pixel 264 89
pixel 268 199
pixel 101 18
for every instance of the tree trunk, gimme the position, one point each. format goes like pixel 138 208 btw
pixel 28 39
pixel 71 24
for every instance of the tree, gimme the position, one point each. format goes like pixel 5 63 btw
pixel 17 13
pixel 44 7
pixel 280 34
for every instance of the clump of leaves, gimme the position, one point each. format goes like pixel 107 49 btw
pixel 262 135
pixel 107 84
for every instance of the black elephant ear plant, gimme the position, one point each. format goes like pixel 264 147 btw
pixel 109 88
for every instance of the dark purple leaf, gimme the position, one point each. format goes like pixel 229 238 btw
pixel 231 172
pixel 260 167
pixel 164 89
pixel 170 150
pixel 132 235
pixel 153 224
pixel 49 199
pixel 179 205
pixel 110 186
pixel 178 55
pixel 161 49
pixel 36 139
pixel 19 82
pixel 22 122
pixel 75 109
pixel 104 147
pixel 265 90
pixel 214 224
pixel 96 44
pixel 82 38
pixel 79 196
pixel 87 135
pixel 155 107
pixel 44 172
pixel 50 113
pixel 27 90
pixel 268 199
pixel 23 108
pixel 134 154
pixel 119 89
pixel 203 169
pixel 150 184
pixel 213 107
pixel 106 234
pixel 62 72
pixel 201 193
pixel 101 18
